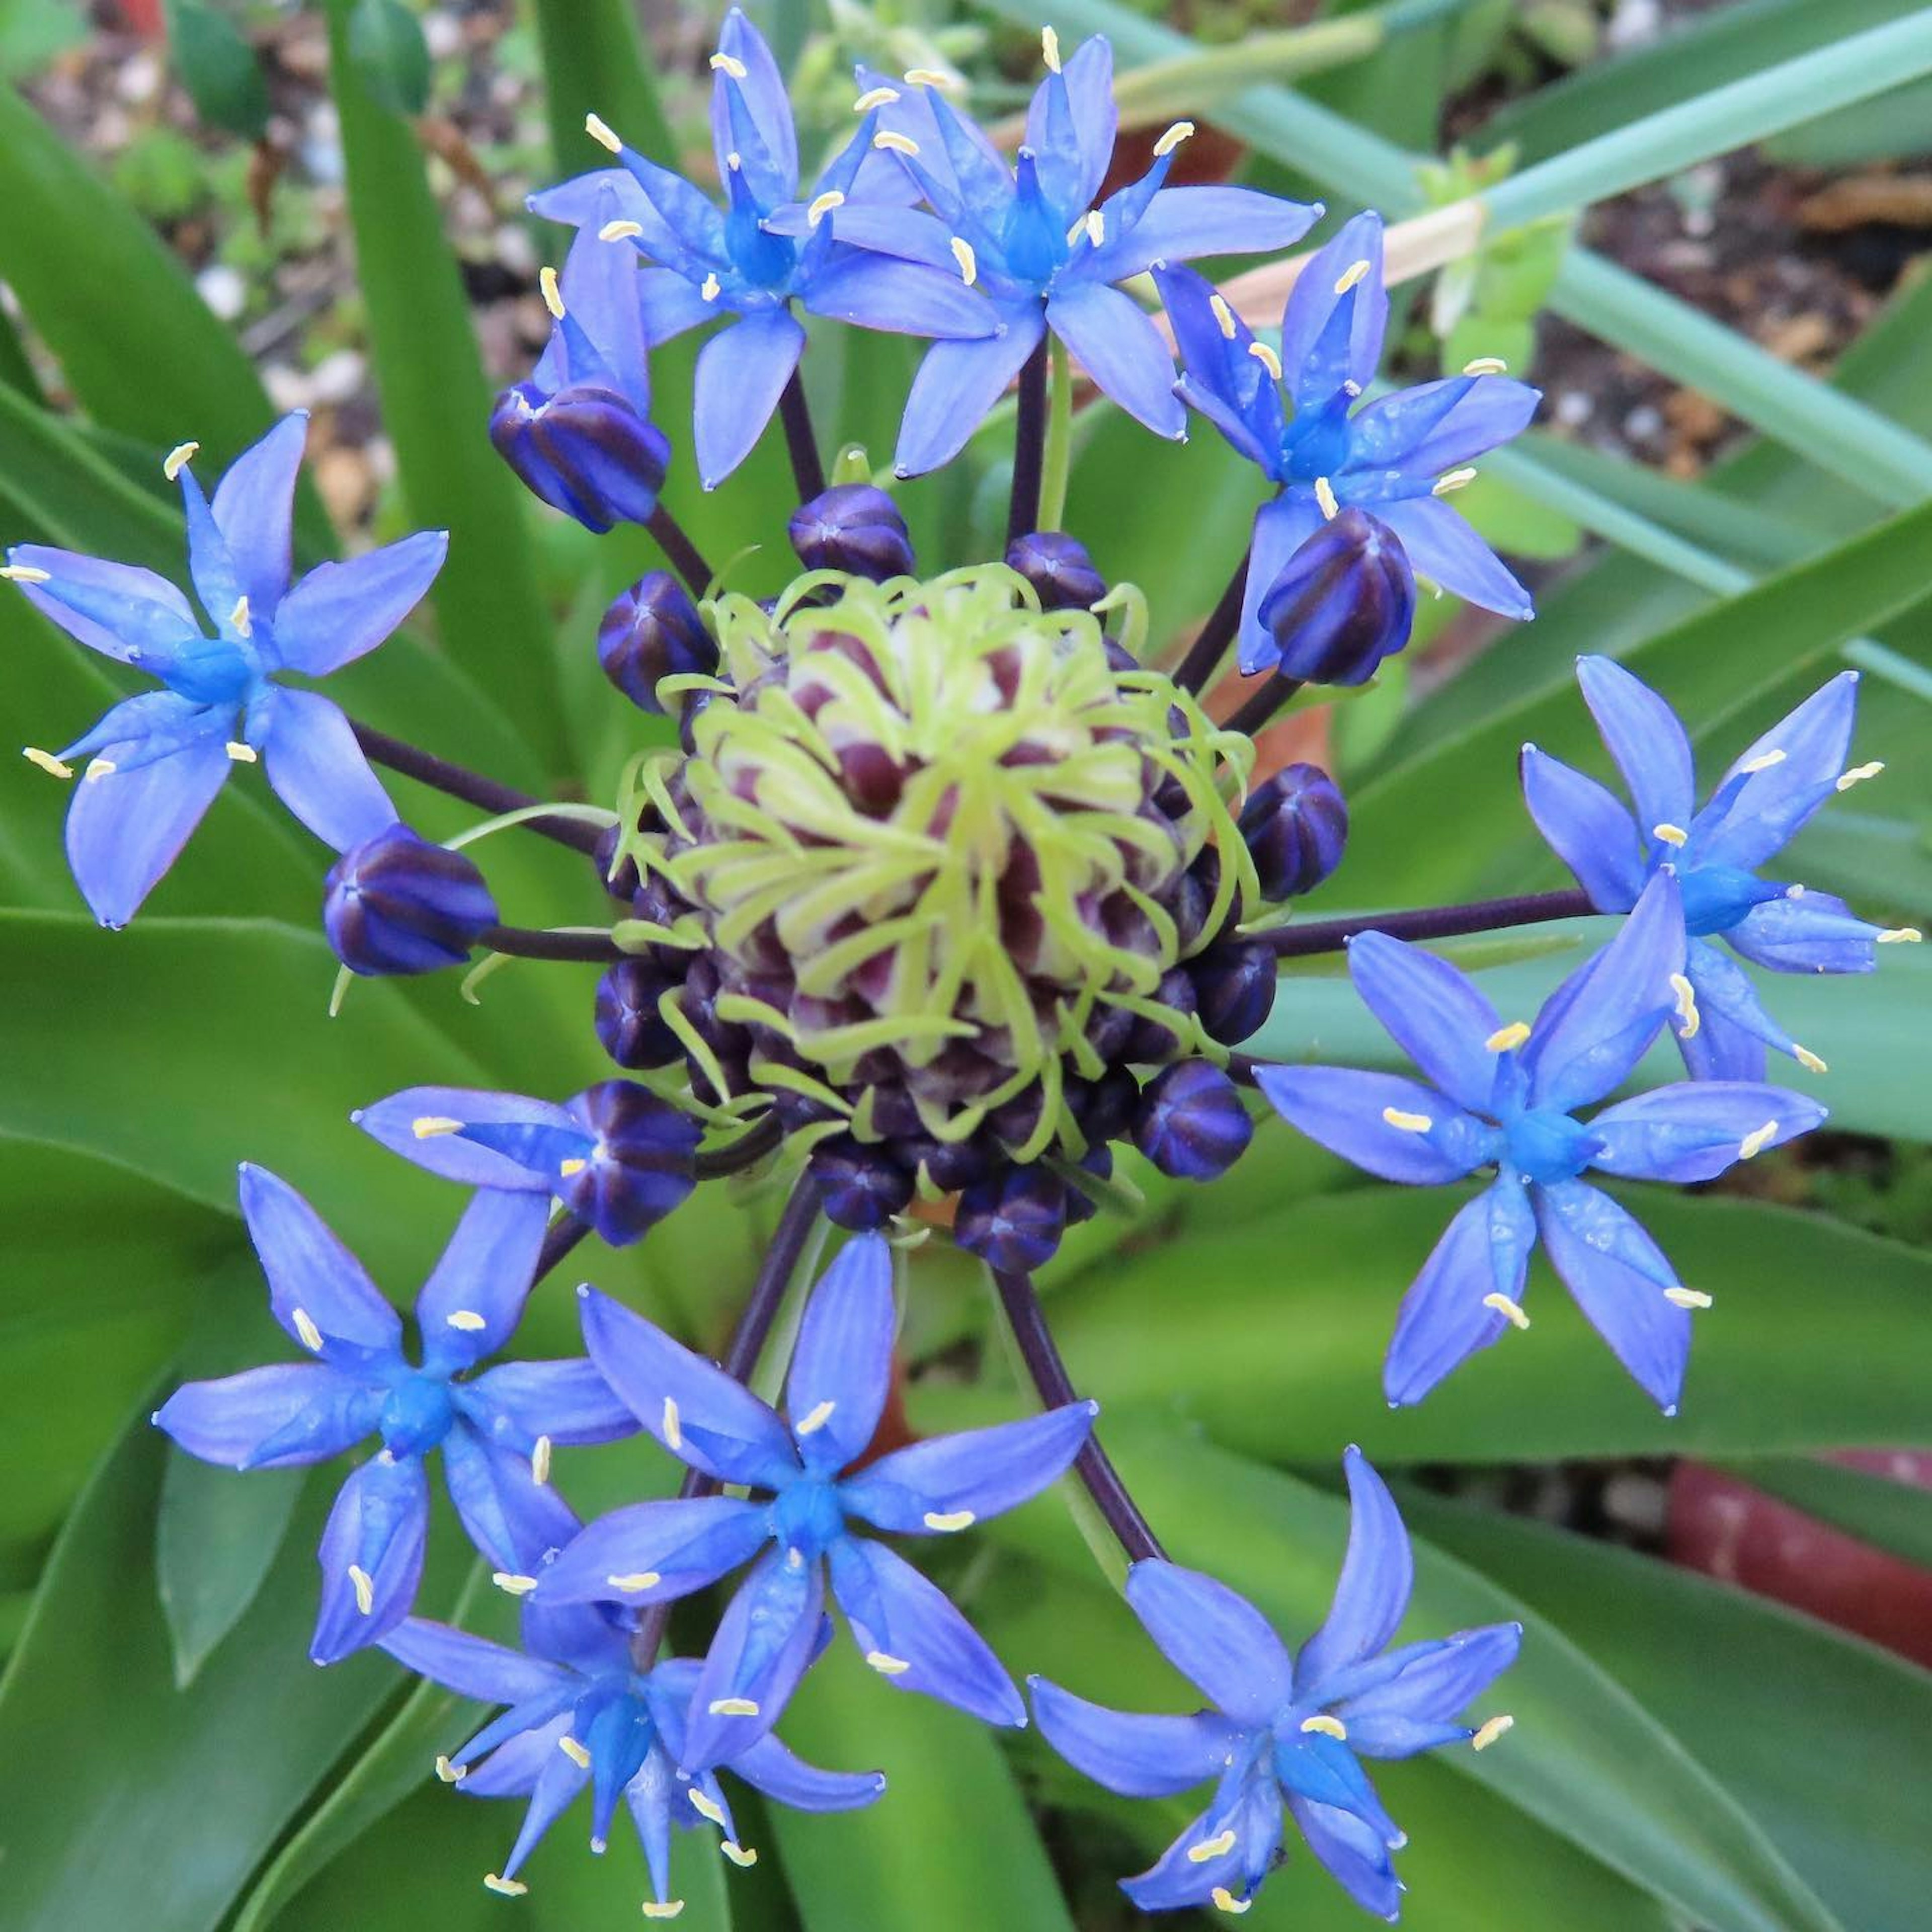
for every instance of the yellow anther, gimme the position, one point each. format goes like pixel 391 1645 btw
pixel 724 63
pixel 1211 1848
pixel 1859 773
pixel 574 1751
pixel 926 76
pixel 46 761
pixel 822 206
pixel 1049 48
pixel 305 1328
pixel 241 754
pixel 1322 1725
pixel 894 142
pixel 663 1908
pixel 1755 1142
pixel 876 97
pixel 1687 1297
pixel 1809 1060
pixel 1181 130
pixel 1350 276
pixel 511 1584
pixel 1686 1006
pixel 1487 365
pixel 594 127
pixel 885 1665
pixel 1491 1731
pixel 1324 495
pixel 1224 315
pixel 1269 361
pixel 567 1169
pixel 540 1460
pixel 467 1319
pixel 1510 1311
pixel 710 289
pixel 552 295
pixel 451 1774
pixel 635 1580
pixel 1671 835
pixel 740 1855
pixel 1762 762
pixel 238 619
pixel 1448 484
pixel 733 1707
pixel 969 262
pixel 821 1414
pixel 1900 935
pixel 428 1126
pixel 178 459
pixel 98 769
pixel 1225 1900
pixel 948 1521
pixel 364 1587
pixel 511 1888
pixel 705 1807
pixel 1410 1123
pixel 1505 1038
pixel 619 231
pixel 25 573
pixel 673 1434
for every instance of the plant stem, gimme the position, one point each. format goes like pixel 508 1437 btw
pixel 1037 1348
pixel 1029 445
pixel 1058 464
pixel 801 444
pixel 1204 656
pixel 559 1239
pixel 472 787
pixel 1331 935
pixel 523 942
pixel 1259 708
pixel 684 555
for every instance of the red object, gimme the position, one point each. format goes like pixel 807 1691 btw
pixel 143 16
pixel 1740 1535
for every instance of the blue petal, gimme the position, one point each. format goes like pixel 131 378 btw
pixel 121 611
pixel 1618 1275
pixel 1433 1012
pixel 1733 1028
pixel 1225 381
pixel 1752 814
pixel 378 1526
pixel 1438 426
pixel 1138 1756
pixel 1810 932
pixel 558 1780
pixel 900 298
pixel 741 373
pixel 1083 93
pixel 721 1428
pixel 766 1642
pixel 1281 528
pixel 1330 338
pixel 1596 1025
pixel 1643 736
pixel 472 1666
pixel 251 509
pixel 1345 1111
pixel 393 1122
pixel 1311 1765
pixel 271 1418
pixel 310 1272
pixel 969 172
pixel 568 1401
pixel 217 583
pixel 683 229
pixel 686 1543
pixel 1414 1709
pixel 1180 1878
pixel 1443 548
pixel 1720 1049
pixel 512 1518
pixel 1372 1593
pixel 341 610
pixel 1695 1132
pixel 668 304
pixel 1182 224
pixel 600 287
pixel 317 769
pixel 1353 1854
pixel 841 1367
pixel 648 1797
pixel 1115 341
pixel 1586 828
pixel 512 1769
pixel 896 1614
pixel 484 1272
pixel 977 1473
pixel 126 828
pixel 1445 1318
pixel 957 383
pixel 907 234
pixel 1216 1640
pixel 769 1767
pixel 585 200
pixel 762 90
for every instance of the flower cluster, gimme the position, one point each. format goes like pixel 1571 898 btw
pixel 946 902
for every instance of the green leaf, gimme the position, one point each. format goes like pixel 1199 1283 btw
pixel 1892 1516
pixel 218 68
pixel 595 62
pixel 385 42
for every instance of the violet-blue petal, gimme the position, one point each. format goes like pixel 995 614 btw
pixel 841 1367
pixel 1695 1131
pixel 472 1666
pixel 1586 828
pixel 741 373
pixel 211 565
pixel 310 758
pixel 1437 426
pixel 1445 1317
pixel 1752 814
pixel 899 298
pixel 957 383
pixel 1115 341
pixel 1415 1708
pixel 1137 1756
pixel 251 508
pixel 770 1767
pixel 1353 1854
pixel 1810 932
pixel 1642 734
pixel 1181 224
pixel 126 828
pixel 273 1418
pixel 119 610
pixel 898 1615
pixel 1311 1764
pixel 339 611
pixel 1281 528
pixel 669 303
pixel 1618 1275
pixel 1443 547
pixel 1088 76
pixel 392 1121
pixel 1433 1011
pixel 1331 336
pixel 512 1769
pixel 600 284
pixel 1227 384
pixel 1372 1593
pixel 684 1543
pixel 1178 1879
pixel 1346 1112
pixel 378 1526
pixel 512 1518
pixel 310 1271
pixel 1731 1017
pixel 924 1490
pixel 1216 1638
pixel 1722 1050
pixel 765 1642
pixel 568 1401
pixel 691 1405
pixel 559 1781
pixel 474 1297
pixel 907 234
pixel 763 89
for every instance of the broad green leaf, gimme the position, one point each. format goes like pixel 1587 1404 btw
pixel 385 42
pixel 1896 1515
pixel 595 62
pixel 218 68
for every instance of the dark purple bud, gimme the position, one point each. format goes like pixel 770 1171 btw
pixel 585 451
pixel 1059 569
pixel 629 1025
pixel 1234 991
pixel 1193 1125
pixel 854 528
pixel 1104 1107
pixel 653 631
pixel 1343 601
pixel 398 904
pixel 639 1168
pixel 1082 1206
pixel 950 1164
pixel 1295 824
pixel 864 1186
pixel 623 882
pixel 1013 1221
pixel 1153 1040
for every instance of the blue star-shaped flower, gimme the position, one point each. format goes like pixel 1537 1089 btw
pixel 156 761
pixel 581 1712
pixel 841 1374
pixel 1761 803
pixel 615 1155
pixel 1295 415
pixel 1505 1096
pixel 1030 235
pixel 1284 1730
pixel 751 259
pixel 496 1430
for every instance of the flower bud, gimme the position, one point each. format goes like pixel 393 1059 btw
pixel 587 451
pixel 1234 989
pixel 640 1167
pixel 1343 601
pixel 1295 825
pixel 1153 1040
pixel 653 631
pixel 1059 569
pixel 1099 1162
pixel 398 904
pixel 631 1030
pixel 1013 1221
pixel 1192 1125
pixel 854 528
pixel 864 1186
pixel 621 881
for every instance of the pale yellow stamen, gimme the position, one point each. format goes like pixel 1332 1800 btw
pixel 600 132
pixel 1859 773
pixel 1181 130
pixel 666 1908
pixel 636 1580
pixel 1410 1123
pixel 710 289
pixel 1490 1732
pixel 178 459
pixel 619 231
pixel 969 262
pixel 1762 762
pixel 567 1169
pixel 1324 495
pixel 1687 1297
pixel 1225 1900
pixel 540 1452
pixel 1900 935
pixel 822 206
pixel 894 142
pixel 511 1888
pixel 238 619
pixel 948 1521
pixel 467 1319
pixel 885 1665
pixel 725 63
pixel 241 754
pixel 1049 48
pixel 1322 1725
pixel 1686 1006
pixel 451 1774
pixel 305 1327
pixel 552 295
pixel 740 1855
pixel 1810 1060
pixel 1456 479
pixel 364 1587
pixel 430 1125
pixel 705 1808
pixel 98 769
pixel 1095 225
pixel 877 97
pixel 733 1707
pixel 1486 365
pixel 1210 1848
pixel 1505 1038
pixel 1754 1143
pixel 575 1752
pixel 1671 835
pixel 821 1414
pixel 673 1434
pixel 512 1585
pixel 1267 358
pixel 25 573
pixel 1351 276
pixel 1510 1311
pixel 926 76
pixel 46 761
pixel 1224 315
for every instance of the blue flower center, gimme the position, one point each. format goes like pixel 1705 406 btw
pixel 1317 442
pixel 217 670
pixel 1034 237
pixel 1716 897
pixel 765 260
pixel 417 1415
pixel 613 1722
pixel 1548 1147
pixel 806 1516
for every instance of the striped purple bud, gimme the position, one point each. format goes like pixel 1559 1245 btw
pixel 1295 825
pixel 853 528
pixel 1013 1221
pixel 586 450
pixel 629 1025
pixel 653 631
pixel 1343 601
pixel 1192 1125
pixel 396 903
pixel 1059 569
